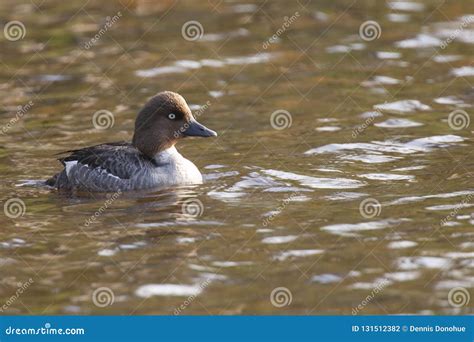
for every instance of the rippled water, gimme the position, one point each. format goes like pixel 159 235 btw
pixel 360 180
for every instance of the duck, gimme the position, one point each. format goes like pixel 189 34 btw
pixel 150 160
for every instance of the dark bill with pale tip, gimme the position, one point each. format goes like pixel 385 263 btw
pixel 195 129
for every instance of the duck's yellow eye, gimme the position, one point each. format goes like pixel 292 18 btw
pixel 171 116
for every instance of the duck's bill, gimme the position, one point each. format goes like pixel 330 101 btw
pixel 195 129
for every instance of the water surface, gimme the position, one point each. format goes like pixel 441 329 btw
pixel 358 181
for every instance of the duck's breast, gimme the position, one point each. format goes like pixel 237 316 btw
pixel 174 169
pixel 188 173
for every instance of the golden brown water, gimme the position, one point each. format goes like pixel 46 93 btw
pixel 348 201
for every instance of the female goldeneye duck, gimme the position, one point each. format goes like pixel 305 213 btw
pixel 149 161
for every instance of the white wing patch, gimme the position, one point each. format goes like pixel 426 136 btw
pixel 70 165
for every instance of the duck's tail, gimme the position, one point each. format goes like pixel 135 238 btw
pixel 52 181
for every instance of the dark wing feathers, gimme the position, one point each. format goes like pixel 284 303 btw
pixel 119 159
